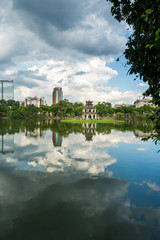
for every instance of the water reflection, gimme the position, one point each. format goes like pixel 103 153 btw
pixel 35 133
pixel 142 134
pixel 60 207
pixel 76 152
pixel 89 130
pixel 56 139
pixel 6 144
pixel 107 188
pixel 37 206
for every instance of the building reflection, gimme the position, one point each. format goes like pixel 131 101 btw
pixel 89 130
pixel 37 132
pixel 56 139
pixel 141 134
pixel 49 122
pixel 7 144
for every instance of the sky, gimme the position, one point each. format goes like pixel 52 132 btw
pixel 70 44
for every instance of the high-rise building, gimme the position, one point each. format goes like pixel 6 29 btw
pixel 57 95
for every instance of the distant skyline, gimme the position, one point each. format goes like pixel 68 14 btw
pixel 68 44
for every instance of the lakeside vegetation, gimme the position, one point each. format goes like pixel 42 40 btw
pixel 91 121
pixel 12 126
pixel 66 109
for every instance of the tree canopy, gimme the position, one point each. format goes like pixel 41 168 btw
pixel 143 47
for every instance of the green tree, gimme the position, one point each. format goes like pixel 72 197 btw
pixel 3 102
pixel 78 110
pixel 143 47
pixel 103 108
pixel 3 110
pixel 13 108
pixel 78 104
pixel 44 109
pixel 16 114
pixel 12 102
pixel 63 108
pixel 54 109
pixel 30 111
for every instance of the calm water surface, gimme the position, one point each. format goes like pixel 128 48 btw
pixel 72 181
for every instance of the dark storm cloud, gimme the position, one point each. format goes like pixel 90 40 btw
pixel 98 47
pixel 65 25
pixel 60 13
pixel 30 74
pixel 26 78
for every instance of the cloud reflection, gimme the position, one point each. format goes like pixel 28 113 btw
pixel 35 205
pixel 84 156
pixel 35 150
pixel 152 185
pixel 49 191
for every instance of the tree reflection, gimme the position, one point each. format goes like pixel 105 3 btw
pixel 144 130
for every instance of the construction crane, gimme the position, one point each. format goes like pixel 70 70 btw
pixel 2 81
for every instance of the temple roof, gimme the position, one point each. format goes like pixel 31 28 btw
pixel 89 104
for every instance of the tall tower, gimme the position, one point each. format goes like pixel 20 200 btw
pixel 7 89
pixel 57 95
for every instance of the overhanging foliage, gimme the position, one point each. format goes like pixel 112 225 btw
pixel 143 47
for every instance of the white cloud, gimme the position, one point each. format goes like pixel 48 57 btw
pixel 59 52
pixel 143 85
pixel 80 80
pixel 142 149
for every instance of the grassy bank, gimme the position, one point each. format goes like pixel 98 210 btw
pixel 92 121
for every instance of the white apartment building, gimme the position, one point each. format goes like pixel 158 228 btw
pixel 141 102
pixel 120 105
pixel 35 101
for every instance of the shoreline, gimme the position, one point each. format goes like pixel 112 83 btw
pixel 92 121
pixel 77 119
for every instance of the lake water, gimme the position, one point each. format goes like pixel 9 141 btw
pixel 78 181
